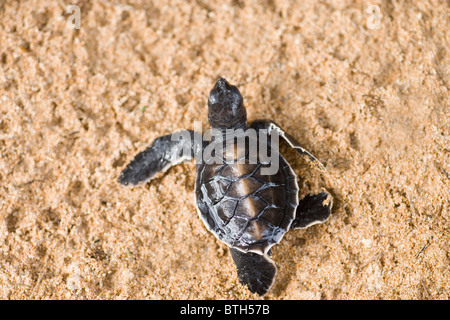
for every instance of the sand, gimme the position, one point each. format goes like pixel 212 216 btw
pixel 368 97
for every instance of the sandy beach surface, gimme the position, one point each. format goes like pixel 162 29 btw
pixel 363 86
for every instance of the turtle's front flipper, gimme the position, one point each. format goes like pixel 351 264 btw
pixel 254 270
pixel 164 152
pixel 272 127
pixel 312 209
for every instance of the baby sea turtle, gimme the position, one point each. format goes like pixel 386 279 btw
pixel 239 200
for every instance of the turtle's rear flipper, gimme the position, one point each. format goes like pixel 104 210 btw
pixel 164 152
pixel 254 270
pixel 312 209
pixel 272 128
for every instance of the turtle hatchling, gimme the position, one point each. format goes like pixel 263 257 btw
pixel 246 192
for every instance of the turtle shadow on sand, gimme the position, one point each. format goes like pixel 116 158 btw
pixel 285 263
pixel 290 254
pixel 295 241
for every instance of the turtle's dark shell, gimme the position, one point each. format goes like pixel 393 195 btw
pixel 243 207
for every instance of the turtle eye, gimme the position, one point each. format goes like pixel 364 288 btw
pixel 223 92
pixel 214 98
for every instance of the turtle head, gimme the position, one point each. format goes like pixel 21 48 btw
pixel 225 107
